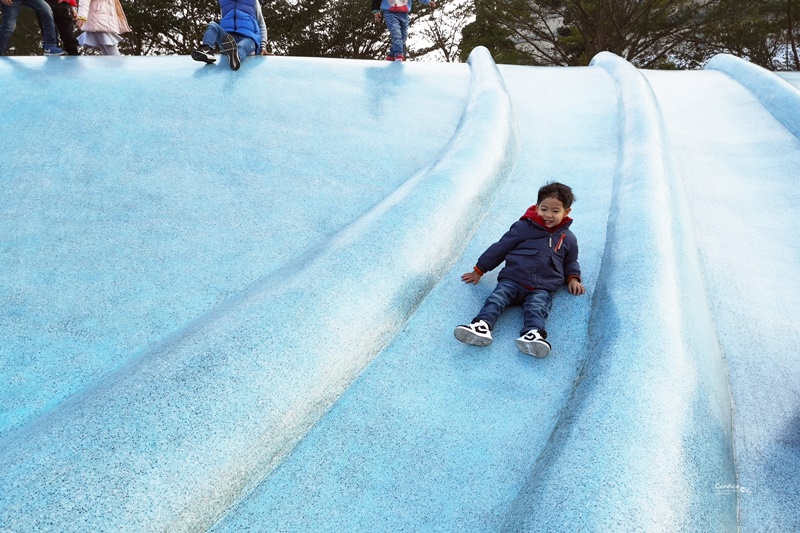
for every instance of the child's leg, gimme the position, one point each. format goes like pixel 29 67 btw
pixel 403 19
pixel 246 45
pixel 535 310
pixel 532 336
pixel 10 14
pixel 504 294
pixel 395 31
pixel 214 35
pixel 45 15
pixel 109 50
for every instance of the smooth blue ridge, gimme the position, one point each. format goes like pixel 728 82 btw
pixel 668 382
pixel 432 437
pixel 250 327
pixel 776 94
pixel 213 354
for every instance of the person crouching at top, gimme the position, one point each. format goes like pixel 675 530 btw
pixel 239 30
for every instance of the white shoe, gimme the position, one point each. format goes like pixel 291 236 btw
pixel 478 334
pixel 533 343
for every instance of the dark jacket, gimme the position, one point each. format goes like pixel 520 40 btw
pixel 536 257
pixel 239 16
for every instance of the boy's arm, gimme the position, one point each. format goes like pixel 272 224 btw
pixel 376 10
pixel 573 270
pixel 263 27
pixel 494 255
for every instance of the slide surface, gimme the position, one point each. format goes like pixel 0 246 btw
pixel 228 298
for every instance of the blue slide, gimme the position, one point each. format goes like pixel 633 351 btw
pixel 228 298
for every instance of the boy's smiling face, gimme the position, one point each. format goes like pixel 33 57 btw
pixel 552 211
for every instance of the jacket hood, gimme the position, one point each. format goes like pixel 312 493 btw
pixel 532 214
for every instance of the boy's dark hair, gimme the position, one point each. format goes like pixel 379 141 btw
pixel 556 190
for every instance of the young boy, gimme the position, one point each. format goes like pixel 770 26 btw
pixel 395 14
pixel 239 30
pixel 541 254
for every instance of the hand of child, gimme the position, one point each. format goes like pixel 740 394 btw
pixel 377 16
pixel 575 287
pixel 471 277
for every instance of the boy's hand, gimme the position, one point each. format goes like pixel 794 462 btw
pixel 471 277
pixel 575 287
pixel 377 16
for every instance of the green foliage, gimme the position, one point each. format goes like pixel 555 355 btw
pixel 571 32
pixel 486 31
pixel 762 31
pixel 649 33
pixel 166 26
pixel 322 28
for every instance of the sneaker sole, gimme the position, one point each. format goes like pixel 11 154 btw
pixel 231 49
pixel 536 349
pixel 200 56
pixel 468 337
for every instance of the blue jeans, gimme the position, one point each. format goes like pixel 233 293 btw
pixel 214 35
pixel 11 13
pixel 536 304
pixel 398 30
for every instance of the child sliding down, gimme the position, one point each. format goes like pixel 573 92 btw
pixel 541 254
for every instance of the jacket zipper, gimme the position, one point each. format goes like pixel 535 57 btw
pixel 561 240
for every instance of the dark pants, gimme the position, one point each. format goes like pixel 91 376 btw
pixel 65 26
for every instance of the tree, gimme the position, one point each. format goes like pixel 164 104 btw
pixel 326 28
pixel 161 27
pixel 764 32
pixel 571 32
pixel 441 29
pixel 486 30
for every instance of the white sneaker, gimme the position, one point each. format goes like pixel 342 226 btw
pixel 478 334
pixel 532 343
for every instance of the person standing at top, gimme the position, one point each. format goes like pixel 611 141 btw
pixel 65 13
pixel 10 11
pixel 395 15
pixel 239 31
pixel 102 22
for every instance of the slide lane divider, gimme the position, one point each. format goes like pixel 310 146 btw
pixel 179 434
pixel 646 436
pixel 780 97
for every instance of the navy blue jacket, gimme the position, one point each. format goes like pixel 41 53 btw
pixel 239 16
pixel 535 257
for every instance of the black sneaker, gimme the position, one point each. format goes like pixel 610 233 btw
pixel 204 54
pixel 533 343
pixel 478 334
pixel 231 49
